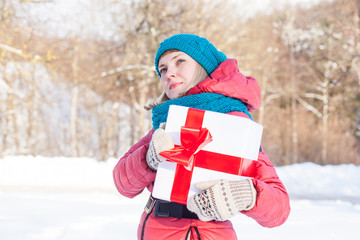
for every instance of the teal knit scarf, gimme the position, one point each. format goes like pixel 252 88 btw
pixel 205 101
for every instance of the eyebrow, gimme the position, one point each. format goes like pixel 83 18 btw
pixel 177 55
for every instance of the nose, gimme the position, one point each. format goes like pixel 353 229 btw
pixel 171 72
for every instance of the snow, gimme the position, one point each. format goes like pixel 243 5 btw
pixel 75 198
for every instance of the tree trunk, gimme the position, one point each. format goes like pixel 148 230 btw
pixel 11 120
pixel 294 135
pixel 74 102
pixel 263 96
pixel 110 131
pixel 325 114
pixel 31 114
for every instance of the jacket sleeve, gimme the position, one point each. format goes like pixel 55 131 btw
pixel 132 174
pixel 272 206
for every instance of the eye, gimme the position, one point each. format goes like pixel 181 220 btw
pixel 162 70
pixel 180 60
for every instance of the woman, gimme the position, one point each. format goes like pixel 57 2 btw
pixel 193 73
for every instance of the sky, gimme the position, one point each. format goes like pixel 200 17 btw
pixel 66 18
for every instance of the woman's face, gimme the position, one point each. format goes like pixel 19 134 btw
pixel 178 74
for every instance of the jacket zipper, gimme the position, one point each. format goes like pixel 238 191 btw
pixel 143 228
pixel 189 231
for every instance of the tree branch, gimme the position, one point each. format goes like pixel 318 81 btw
pixel 315 96
pixel 18 52
pixel 309 107
pixel 126 68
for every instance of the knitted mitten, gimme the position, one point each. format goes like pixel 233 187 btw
pixel 160 141
pixel 222 199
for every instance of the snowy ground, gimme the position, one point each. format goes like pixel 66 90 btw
pixel 69 198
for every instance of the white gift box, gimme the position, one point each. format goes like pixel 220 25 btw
pixel 231 135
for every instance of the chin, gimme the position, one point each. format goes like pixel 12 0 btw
pixel 174 95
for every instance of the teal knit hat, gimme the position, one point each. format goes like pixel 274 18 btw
pixel 200 49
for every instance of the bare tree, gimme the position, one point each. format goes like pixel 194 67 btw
pixel 317 43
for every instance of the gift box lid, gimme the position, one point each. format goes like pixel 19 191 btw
pixel 232 135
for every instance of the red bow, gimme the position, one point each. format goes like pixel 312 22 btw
pixel 192 141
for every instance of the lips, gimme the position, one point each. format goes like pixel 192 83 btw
pixel 174 85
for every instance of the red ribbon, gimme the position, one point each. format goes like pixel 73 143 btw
pixel 192 141
pixel 189 154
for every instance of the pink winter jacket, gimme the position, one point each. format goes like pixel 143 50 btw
pixel 132 174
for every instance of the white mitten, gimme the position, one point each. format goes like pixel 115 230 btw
pixel 222 199
pixel 160 141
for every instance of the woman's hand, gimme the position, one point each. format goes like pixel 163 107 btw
pixel 222 199
pixel 160 141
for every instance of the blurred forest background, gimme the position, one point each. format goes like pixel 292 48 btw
pixel 76 86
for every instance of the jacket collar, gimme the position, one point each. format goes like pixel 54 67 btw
pixel 227 80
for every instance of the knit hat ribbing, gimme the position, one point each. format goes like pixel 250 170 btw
pixel 200 49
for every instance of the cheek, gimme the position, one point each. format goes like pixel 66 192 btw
pixel 187 74
pixel 191 75
pixel 162 83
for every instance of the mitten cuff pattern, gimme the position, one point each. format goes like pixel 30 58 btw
pixel 223 200
pixel 160 141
